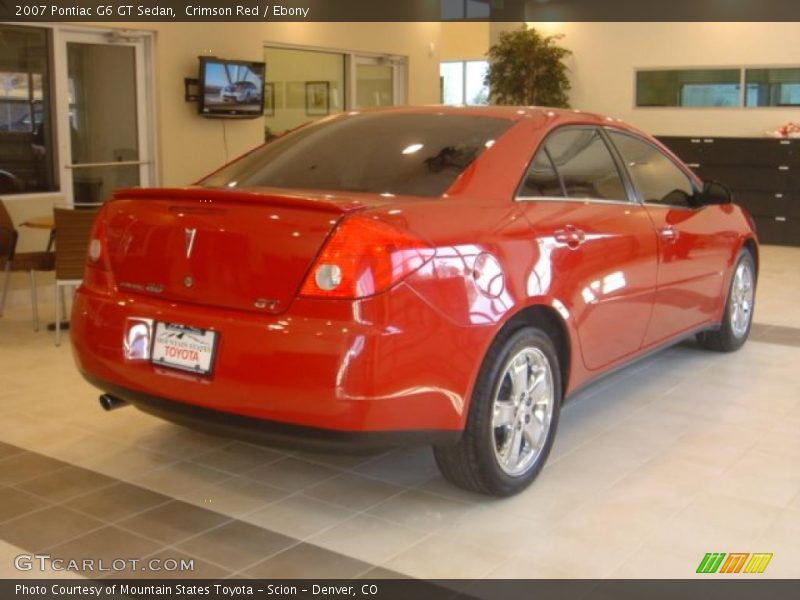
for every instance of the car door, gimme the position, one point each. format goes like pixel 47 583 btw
pixel 692 248
pixel 597 251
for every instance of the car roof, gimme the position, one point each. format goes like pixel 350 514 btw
pixel 554 116
pixel 513 113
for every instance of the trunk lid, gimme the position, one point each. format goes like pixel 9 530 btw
pixel 243 250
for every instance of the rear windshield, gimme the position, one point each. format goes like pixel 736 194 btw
pixel 395 153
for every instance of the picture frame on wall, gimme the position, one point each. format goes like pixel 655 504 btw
pixel 318 98
pixel 269 99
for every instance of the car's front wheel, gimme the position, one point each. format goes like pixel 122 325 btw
pixel 739 305
pixel 512 417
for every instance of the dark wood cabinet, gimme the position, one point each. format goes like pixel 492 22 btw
pixel 762 173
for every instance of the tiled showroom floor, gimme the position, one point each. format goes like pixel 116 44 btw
pixel 685 453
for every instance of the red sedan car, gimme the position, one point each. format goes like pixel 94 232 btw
pixel 442 276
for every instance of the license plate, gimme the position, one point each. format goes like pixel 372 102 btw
pixel 186 348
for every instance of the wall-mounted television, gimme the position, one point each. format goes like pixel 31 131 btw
pixel 231 88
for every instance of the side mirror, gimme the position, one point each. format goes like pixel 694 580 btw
pixel 714 193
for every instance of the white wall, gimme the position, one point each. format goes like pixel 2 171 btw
pixel 464 40
pixel 606 55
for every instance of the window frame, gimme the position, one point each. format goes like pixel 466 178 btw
pixel 52 115
pixel 630 191
pixel 745 71
pixel 60 98
pixel 637 71
pixel 693 179
pixel 464 13
pixel 742 104
pixel 400 62
pixel 463 64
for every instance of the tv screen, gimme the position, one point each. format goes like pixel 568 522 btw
pixel 231 88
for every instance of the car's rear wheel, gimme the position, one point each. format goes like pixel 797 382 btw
pixel 738 317
pixel 512 418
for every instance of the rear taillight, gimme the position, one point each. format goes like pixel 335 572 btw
pixel 364 257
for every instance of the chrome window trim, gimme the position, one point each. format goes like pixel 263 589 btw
pixel 575 200
pixel 673 206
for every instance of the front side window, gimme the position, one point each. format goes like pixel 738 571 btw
pixel 384 153
pixel 657 179
pixel 26 134
pixel 585 164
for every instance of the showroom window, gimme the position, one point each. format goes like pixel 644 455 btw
pixel 307 84
pixel 457 10
pixel 463 83
pixel 689 87
pixel 772 87
pixel 718 87
pixel 301 86
pixel 57 132
pixel 26 132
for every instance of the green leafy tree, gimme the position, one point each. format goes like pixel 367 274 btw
pixel 527 68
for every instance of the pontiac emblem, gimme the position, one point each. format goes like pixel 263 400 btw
pixel 190 233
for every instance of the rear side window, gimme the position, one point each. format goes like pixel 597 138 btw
pixel 585 165
pixel 541 180
pixel 575 162
pixel 657 179
pixel 393 153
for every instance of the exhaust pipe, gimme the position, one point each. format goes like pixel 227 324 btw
pixel 109 402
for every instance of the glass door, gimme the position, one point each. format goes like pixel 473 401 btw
pixel 378 81
pixel 104 133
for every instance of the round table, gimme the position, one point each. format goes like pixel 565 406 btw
pixel 46 222
pixel 41 222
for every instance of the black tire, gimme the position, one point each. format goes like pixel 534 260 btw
pixel 472 463
pixel 726 339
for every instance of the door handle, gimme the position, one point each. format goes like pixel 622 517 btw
pixel 668 234
pixel 571 236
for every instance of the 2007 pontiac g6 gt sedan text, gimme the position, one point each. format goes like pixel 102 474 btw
pixel 442 276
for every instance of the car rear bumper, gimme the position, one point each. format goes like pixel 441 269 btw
pixel 327 366
pixel 271 433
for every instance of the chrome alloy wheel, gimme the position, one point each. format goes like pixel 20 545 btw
pixel 742 292
pixel 522 411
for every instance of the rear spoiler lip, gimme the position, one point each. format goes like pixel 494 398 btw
pixel 267 196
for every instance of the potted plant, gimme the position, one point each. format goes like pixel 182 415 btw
pixel 527 68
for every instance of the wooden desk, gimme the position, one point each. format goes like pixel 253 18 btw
pixel 41 222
